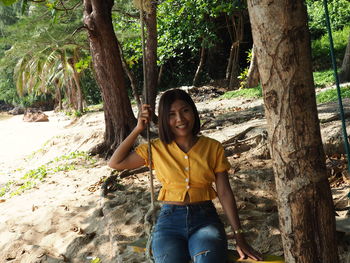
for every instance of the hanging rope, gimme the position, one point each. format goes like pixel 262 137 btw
pixel 150 216
pixel 340 102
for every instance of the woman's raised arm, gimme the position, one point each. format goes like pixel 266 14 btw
pixel 122 158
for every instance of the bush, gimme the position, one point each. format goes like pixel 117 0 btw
pixel 244 93
pixel 324 78
pixel 332 95
pixel 320 49
pixel 339 12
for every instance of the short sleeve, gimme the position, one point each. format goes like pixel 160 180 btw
pixel 222 164
pixel 142 151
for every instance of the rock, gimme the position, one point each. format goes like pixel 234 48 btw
pixel 4 106
pixel 16 110
pixel 35 116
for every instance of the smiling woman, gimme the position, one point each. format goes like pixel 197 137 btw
pixel 187 165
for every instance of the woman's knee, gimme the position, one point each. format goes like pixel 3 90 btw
pixel 208 244
pixel 170 250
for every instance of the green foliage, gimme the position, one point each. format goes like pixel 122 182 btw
pixel 37 49
pixel 339 12
pixel 244 74
pixel 320 49
pixel 31 178
pixel 332 95
pixel 7 2
pixel 324 78
pixel 91 91
pixel 245 93
pixel 243 78
pixel 6 188
pixel 184 27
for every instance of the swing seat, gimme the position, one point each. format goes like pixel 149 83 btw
pixel 233 257
pixel 139 246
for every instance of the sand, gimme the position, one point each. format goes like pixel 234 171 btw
pixel 64 218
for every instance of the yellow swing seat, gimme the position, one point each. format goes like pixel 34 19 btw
pixel 234 257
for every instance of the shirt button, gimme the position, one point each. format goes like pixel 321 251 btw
pixel 186 157
pixel 186 179
pixel 188 187
pixel 186 168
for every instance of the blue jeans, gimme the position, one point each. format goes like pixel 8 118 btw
pixel 189 232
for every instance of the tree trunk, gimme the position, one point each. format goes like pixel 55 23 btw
pixel 160 75
pixel 200 66
pixel 72 94
pixel 119 118
pixel 237 34
pixel 131 77
pixel 253 72
pixel 344 74
pixel 305 205
pixel 151 56
pixel 59 97
pixel 79 98
pixel 79 95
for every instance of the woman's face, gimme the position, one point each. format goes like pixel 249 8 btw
pixel 181 119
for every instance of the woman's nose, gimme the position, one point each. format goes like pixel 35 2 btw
pixel 179 117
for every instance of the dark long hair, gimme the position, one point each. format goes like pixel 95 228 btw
pixel 168 98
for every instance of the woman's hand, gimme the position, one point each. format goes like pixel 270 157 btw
pixel 244 250
pixel 144 117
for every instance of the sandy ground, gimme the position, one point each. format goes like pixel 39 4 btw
pixel 64 218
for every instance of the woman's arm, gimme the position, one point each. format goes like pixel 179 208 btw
pixel 228 203
pixel 122 158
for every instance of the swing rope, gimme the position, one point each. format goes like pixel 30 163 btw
pixel 335 71
pixel 150 216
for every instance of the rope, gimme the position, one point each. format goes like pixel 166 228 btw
pixel 150 216
pixel 335 71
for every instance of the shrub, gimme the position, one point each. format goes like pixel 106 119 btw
pixel 320 49
pixel 332 95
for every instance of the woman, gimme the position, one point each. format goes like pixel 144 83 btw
pixel 186 164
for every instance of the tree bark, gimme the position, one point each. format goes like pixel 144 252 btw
pixel 305 205
pixel 119 118
pixel 131 77
pixel 151 56
pixel 200 65
pixel 344 74
pixel 160 75
pixel 79 95
pixel 253 72
pixel 237 33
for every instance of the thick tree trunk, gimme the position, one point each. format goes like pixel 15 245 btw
pixel 119 118
pixel 200 66
pixel 151 56
pixel 253 72
pixel 305 204
pixel 344 75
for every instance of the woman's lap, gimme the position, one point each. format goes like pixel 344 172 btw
pixel 185 232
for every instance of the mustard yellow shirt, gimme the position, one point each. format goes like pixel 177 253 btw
pixel 192 172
